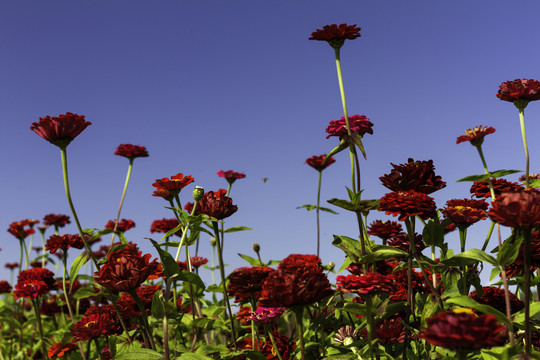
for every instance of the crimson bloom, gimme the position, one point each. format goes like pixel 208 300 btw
pixel 494 297
pixel 519 91
pixel 359 124
pixel 480 189
pixel 131 151
pixel 246 283
pixel 335 34
pixel 517 209
pixel 216 205
pixel 95 326
pixel 127 305
pixel 169 188
pixel 5 287
pixel 230 176
pixel 284 346
pixel 401 241
pixel 11 266
pixel 384 229
pixel 464 331
pixel 123 225
pixel 317 162
pixel 19 230
pixel 367 284
pixel 60 130
pixel 125 269
pixel 60 349
pixel 197 261
pixel 266 315
pixel 164 226
pixel 465 212
pixel 475 135
pixel 408 203
pixel 33 282
pixel 414 175
pixel 63 242
pixel 57 220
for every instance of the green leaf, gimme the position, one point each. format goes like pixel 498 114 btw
pixel 342 146
pixel 470 257
pixel 193 278
pixel 172 231
pixel 534 309
pixel 500 173
pixel 158 307
pixel 307 207
pixel 350 246
pixel 344 204
pixel 170 267
pixel 237 228
pixel 356 139
pixel 355 308
pixel 143 354
pixel 534 183
pixel 327 210
pixel 84 292
pixel 433 233
pixel 346 263
pixel 192 356
pixel 381 252
pixel 75 267
pixel 509 250
pixel 474 178
pixel 250 260
pixel 466 301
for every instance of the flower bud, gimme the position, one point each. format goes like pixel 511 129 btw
pixel 213 242
pixel 198 193
pixel 331 265
pixel 256 247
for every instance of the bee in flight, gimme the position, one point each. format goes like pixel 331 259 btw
pixel 264 180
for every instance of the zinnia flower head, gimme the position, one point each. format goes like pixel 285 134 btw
pixel 34 282
pixel 494 297
pixel 216 205
pixel 366 284
pixel 346 335
pixel 385 229
pixel 465 212
pixel 230 176
pixel 5 287
pixel 519 91
pixel 335 34
pixel 11 266
pixel 95 326
pixel 123 226
pixel 408 203
pixel 131 151
pixel 57 220
pixel 266 315
pixel 480 189
pixel 401 241
pixel 19 230
pixel 169 188
pixel 246 283
pixel 197 261
pixel 284 346
pixel 464 331
pixel 317 162
pixel 164 226
pixel 517 209
pixel 359 124
pixel 414 175
pixel 60 349
pixel 60 130
pixel 475 135
pixel 63 242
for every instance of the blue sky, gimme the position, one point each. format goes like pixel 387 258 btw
pixel 213 85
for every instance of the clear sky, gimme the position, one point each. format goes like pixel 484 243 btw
pixel 218 85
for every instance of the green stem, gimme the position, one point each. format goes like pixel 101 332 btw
pixel 527 288
pixel 269 332
pixel 371 325
pixel 523 135
pixel 464 268
pixel 223 282
pixel 40 327
pixel 488 237
pixel 26 253
pixel 317 213
pixel 184 232
pixel 298 312
pixel 481 153
pixel 43 249
pixel 130 167
pixel 73 212
pixel 142 309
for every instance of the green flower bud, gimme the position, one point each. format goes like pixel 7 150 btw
pixel 213 242
pixel 256 247
pixel 198 193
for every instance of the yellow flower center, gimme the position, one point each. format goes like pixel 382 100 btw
pixel 464 311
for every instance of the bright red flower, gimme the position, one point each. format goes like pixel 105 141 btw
pixel 414 175
pixel 231 176
pixel 359 124
pixel 465 212
pixel 19 230
pixel 59 350
pixel 60 130
pixel 285 347
pixel 34 282
pixel 164 226
pixel 480 189
pixel 408 203
pixel 517 209
pixel 316 162
pixel 401 241
pixel 464 331
pixel 5 287
pixel 197 261
pixel 125 269
pixel 95 326
pixel 216 205
pixel 246 283
pixel 367 284
pixel 519 91
pixel 57 220
pixel 494 297
pixel 131 151
pixel 335 34
pixel 266 315
pixel 385 229
pixel 475 135
pixel 63 242
pixel 169 188
pixel 123 225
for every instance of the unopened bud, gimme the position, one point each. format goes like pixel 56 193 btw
pixel 213 242
pixel 331 265
pixel 256 247
pixel 198 193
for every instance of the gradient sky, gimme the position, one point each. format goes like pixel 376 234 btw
pixel 218 85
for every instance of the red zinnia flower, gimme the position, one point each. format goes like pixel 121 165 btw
pixel 131 151
pixel 125 269
pixel 408 203
pixel 367 284
pixel 58 220
pixel 465 212
pixel 94 326
pixel 246 283
pixel 460 330
pixel 18 229
pixel 197 261
pixel 164 226
pixel 169 188
pixel 5 287
pixel 384 229
pixel 33 282
pixel 401 241
pixel 60 130
pixel 11 266
pixel 475 135
pixel 266 315
pixel 283 346
pixel 519 91
pixel 123 225
pixel 359 124
pixel 316 162
pixel 335 34
pixel 414 175
pixel 128 306
pixel 59 350
pixel 480 189
pixel 517 209
pixel 494 297
pixel 216 205
pixel 231 176
pixel 63 242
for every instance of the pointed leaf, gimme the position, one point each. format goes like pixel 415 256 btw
pixel 169 265
pixel 237 228
pixel 534 309
pixel 470 257
pixel 327 210
pixel 350 246
pixel 142 354
pixel 500 173
pixel 172 231
pixel 192 278
pixel 534 183
pixel 307 207
pixel 468 302
pixel 509 250
pixel 342 146
pixel 357 140
pixel 250 260
pixel 344 204
pixel 75 267
pixel 475 178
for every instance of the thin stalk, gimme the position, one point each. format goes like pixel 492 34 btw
pixel 222 225
pixel 73 212
pixel 523 135
pixel 300 329
pixel 26 253
pixel 527 288
pixel 490 232
pixel 142 309
pixel 130 167
pixel 194 299
pixel 269 332
pixel 464 268
pixel 317 213
pixel 43 249
pixel 184 232
pixel 40 327
pixel 371 325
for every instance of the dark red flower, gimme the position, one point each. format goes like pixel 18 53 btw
pixel 63 242
pixel 401 241
pixel 57 220
pixel 123 225
pixel 359 124
pixel 384 229
pixel 517 209
pixel 94 326
pixel 197 261
pixel 475 135
pixel 519 91
pixel 316 162
pixel 390 331
pixel 408 203
pixel 366 284
pixel 216 205
pixel 169 188
pixel 465 212
pixel 517 267
pixel 60 349
pixel 464 331
pixel 11 266
pixel 125 269
pixel 246 283
pixel 414 175
pixel 33 282
pixel 19 230
pixel 300 280
pixel 60 130
pixel 480 189
pixel 231 176
pixel 494 297
pixel 5 287
pixel 164 226
pixel 127 305
pixel 335 34
pixel 131 151
pixel 283 345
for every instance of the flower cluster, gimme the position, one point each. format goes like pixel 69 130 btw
pixel 480 189
pixel 465 212
pixel 367 284
pixel 57 220
pixel 63 242
pixel 385 229
pixel 246 283
pixel 408 203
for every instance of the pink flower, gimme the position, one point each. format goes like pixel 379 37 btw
pixel 358 123
pixel 266 315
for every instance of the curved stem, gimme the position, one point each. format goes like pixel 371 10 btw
pixel 130 167
pixel 26 253
pixel 38 317
pixel 317 214
pixel 184 231
pixel 523 135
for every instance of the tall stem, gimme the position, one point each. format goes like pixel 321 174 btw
pixel 35 302
pixel 527 288
pixel 70 202
pixel 317 214
pixel 130 167
pixel 299 312
pixel 523 135
pixel 142 309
